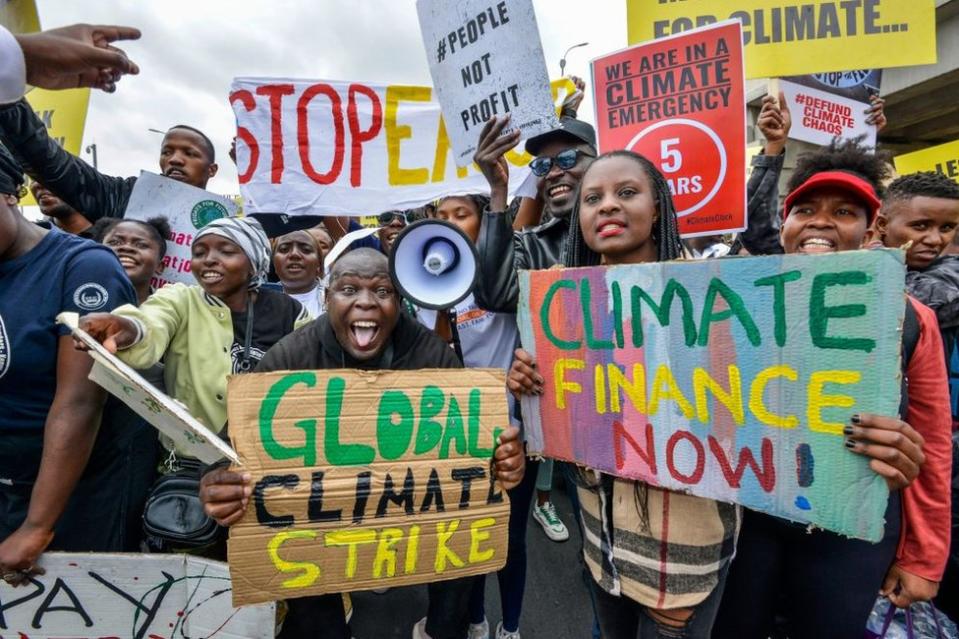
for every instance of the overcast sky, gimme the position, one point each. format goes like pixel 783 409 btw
pixel 191 50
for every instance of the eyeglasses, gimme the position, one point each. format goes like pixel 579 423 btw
pixel 389 216
pixel 564 159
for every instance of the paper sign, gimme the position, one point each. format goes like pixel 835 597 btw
pixel 819 116
pixel 486 60
pixel 188 209
pixel 318 147
pixel 680 103
pixel 941 159
pixel 729 379
pixel 792 37
pixel 159 410
pixel 130 595
pixel 366 480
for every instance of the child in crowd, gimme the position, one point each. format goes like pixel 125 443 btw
pixel 298 260
pixel 780 566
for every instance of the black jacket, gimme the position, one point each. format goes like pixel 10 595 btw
pixel 503 253
pixel 67 176
pixel 938 288
pixel 314 347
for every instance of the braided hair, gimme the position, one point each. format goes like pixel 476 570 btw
pixel 665 231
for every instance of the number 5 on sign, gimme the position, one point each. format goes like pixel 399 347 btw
pixel 672 159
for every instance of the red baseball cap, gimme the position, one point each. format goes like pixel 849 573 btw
pixel 856 186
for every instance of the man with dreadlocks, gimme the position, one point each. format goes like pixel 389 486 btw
pixel 624 214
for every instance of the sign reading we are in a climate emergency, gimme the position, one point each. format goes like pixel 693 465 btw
pixel 680 102
pixel 366 480
pixel 728 379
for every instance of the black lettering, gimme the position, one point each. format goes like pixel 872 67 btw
pixel 434 493
pixel 40 588
pixel 828 22
pixel 403 498
pixel 363 481
pixel 466 477
pixel 263 516
pixel 47 605
pixel 314 509
pixel 148 613
pixel 800 22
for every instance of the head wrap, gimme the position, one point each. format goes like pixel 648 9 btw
pixel 246 233
pixel 11 173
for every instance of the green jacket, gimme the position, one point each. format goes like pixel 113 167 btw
pixel 192 332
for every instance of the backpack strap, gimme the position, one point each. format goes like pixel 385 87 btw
pixel 910 332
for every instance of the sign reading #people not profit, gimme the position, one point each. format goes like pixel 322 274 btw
pixel 318 147
pixel 366 480
pixel 795 37
pixel 486 60
pixel 729 379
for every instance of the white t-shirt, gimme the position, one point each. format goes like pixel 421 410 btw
pixel 312 300
pixel 13 70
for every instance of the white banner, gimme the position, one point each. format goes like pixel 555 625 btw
pixel 130 595
pixel 819 116
pixel 187 208
pixel 316 147
pixel 486 59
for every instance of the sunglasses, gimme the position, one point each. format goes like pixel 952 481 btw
pixel 564 159
pixel 389 216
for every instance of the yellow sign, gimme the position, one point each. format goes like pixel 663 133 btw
pixel 64 113
pixel 793 37
pixel 942 159
pixel 19 16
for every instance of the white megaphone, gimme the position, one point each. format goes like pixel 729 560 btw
pixel 433 264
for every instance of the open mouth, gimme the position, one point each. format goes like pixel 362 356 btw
pixel 293 267
pixel 817 245
pixel 128 262
pixel 611 229
pixel 211 277
pixel 364 333
pixel 559 191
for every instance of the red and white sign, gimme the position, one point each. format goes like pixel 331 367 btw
pixel 680 102
pixel 819 116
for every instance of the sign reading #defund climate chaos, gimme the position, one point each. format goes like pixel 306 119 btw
pixel 680 102
pixel 319 147
pixel 366 480
pixel 729 379
pixel 793 37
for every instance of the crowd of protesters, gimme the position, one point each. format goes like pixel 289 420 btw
pixel 79 471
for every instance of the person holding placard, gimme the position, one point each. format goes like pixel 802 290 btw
pixel 64 468
pixel 828 582
pixel 363 328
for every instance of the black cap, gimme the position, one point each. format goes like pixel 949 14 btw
pixel 569 129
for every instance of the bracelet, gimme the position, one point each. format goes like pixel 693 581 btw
pixel 139 335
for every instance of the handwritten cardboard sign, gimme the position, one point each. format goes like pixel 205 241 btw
pixel 680 102
pixel 730 379
pixel 188 210
pixel 943 158
pixel 158 409
pixel 789 37
pixel 129 595
pixel 321 147
pixel 366 480
pixel 486 60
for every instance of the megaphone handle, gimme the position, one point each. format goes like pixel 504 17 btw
pixel 455 334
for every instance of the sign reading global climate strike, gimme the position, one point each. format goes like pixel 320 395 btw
pixel 366 480
pixel 729 379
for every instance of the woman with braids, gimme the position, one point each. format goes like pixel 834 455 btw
pixel 821 584
pixel 647 584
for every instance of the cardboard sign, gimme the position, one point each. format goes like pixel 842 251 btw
pixel 819 116
pixel 941 159
pixel 729 379
pixel 161 411
pixel 789 37
pixel 680 103
pixel 187 208
pixel 129 595
pixel 486 60
pixel 318 147
pixel 366 480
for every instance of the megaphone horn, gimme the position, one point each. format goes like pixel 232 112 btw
pixel 433 264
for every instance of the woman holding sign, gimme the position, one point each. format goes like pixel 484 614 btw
pixel 624 214
pixel 822 583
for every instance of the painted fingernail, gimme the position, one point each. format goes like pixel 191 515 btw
pixel 847 430
pixel 850 443
pixel 855 419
